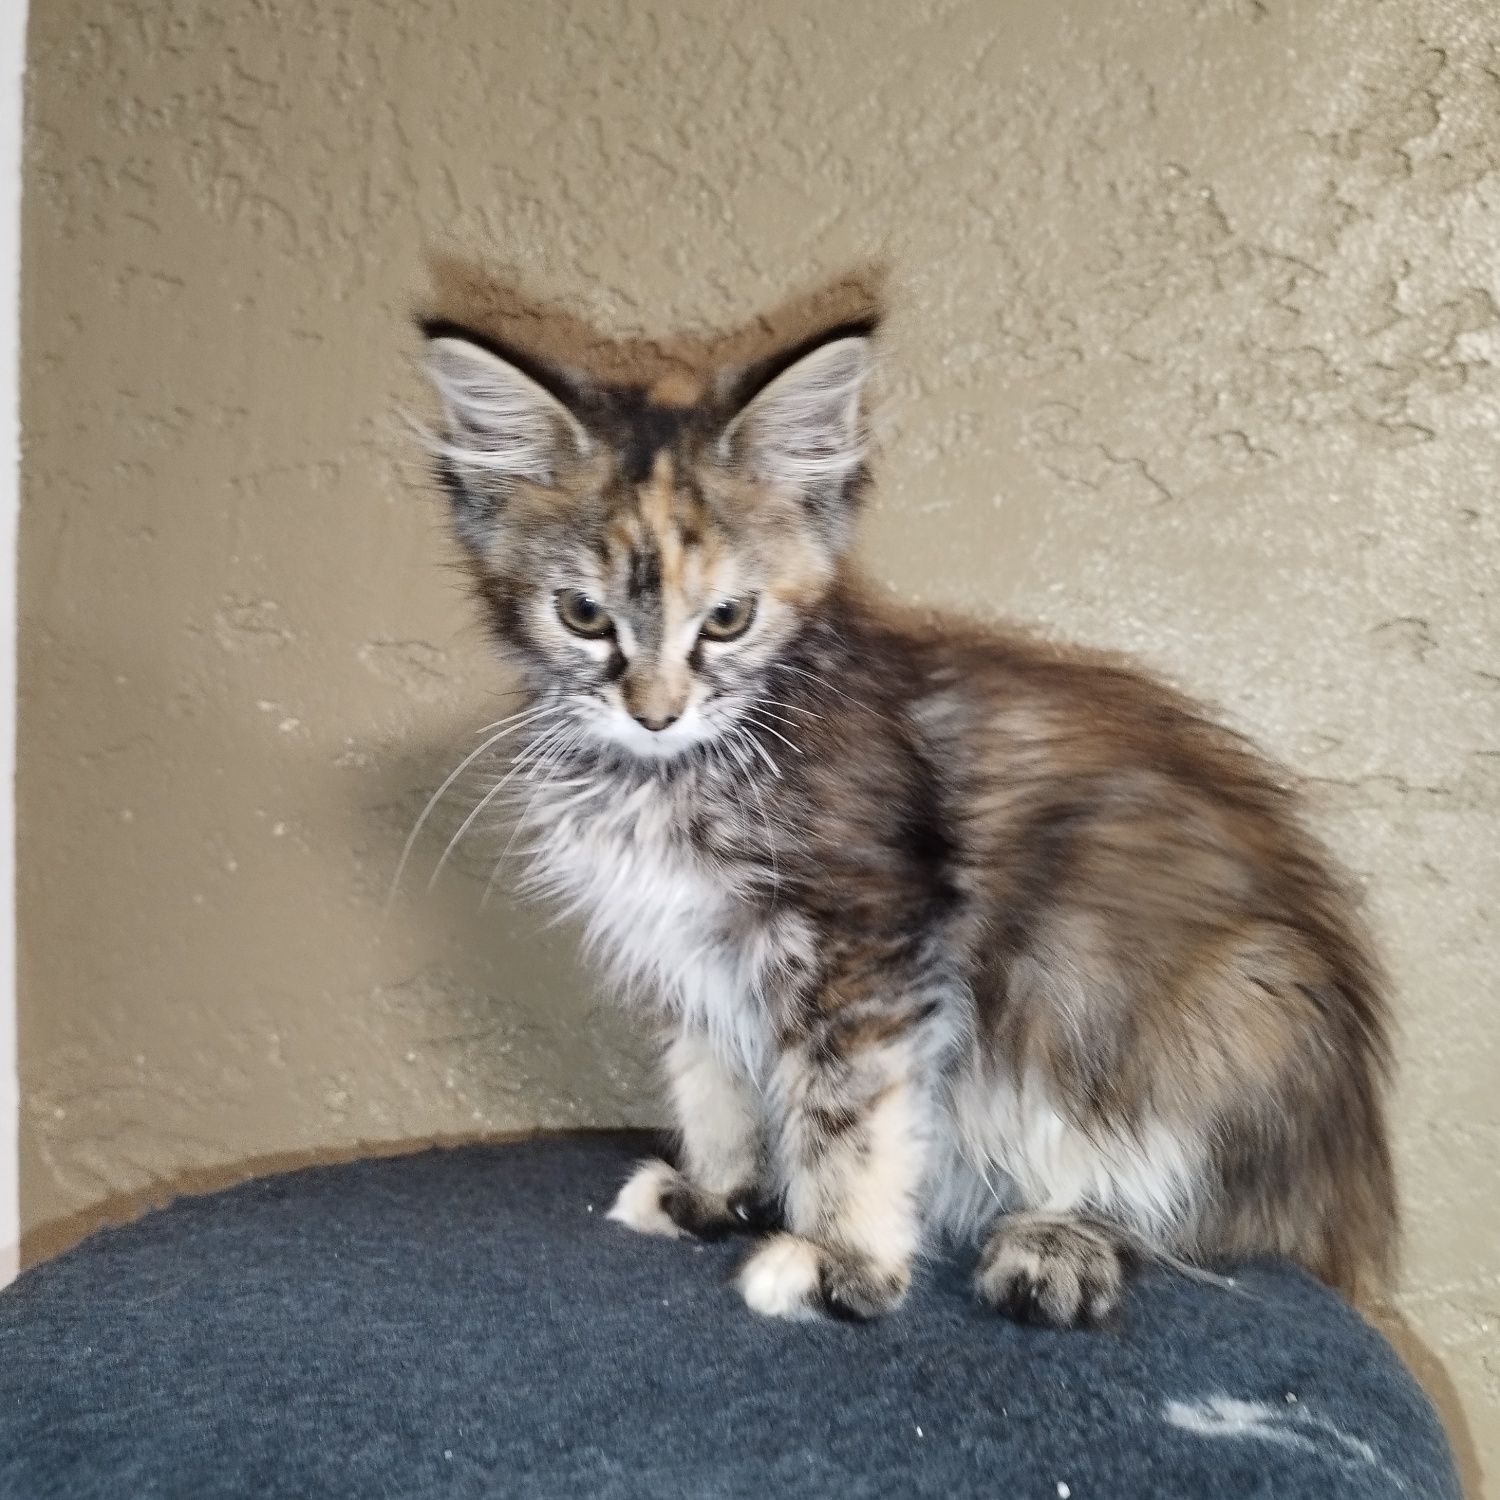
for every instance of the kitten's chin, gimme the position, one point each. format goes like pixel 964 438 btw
pixel 622 732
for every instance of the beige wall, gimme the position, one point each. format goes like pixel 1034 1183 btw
pixel 1194 352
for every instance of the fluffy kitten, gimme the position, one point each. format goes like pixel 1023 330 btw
pixel 945 929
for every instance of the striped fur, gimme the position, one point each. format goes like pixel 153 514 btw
pixel 944 929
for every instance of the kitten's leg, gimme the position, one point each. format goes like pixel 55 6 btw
pixel 1052 1269
pixel 852 1147
pixel 718 1120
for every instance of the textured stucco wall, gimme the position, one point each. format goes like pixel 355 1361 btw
pixel 1195 348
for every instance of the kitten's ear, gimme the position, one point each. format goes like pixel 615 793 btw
pixel 804 429
pixel 501 425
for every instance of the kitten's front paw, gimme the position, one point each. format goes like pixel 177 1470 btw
pixel 754 1212
pixel 1055 1272
pixel 790 1277
pixel 658 1199
pixel 641 1205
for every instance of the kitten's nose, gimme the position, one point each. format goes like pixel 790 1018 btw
pixel 656 722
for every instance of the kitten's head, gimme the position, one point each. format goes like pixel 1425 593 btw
pixel 646 558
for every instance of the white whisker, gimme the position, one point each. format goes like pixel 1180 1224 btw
pixel 437 796
pixel 548 784
pixel 828 687
pixel 759 724
pixel 742 734
pixel 509 719
pixel 517 765
pixel 795 708
pixel 759 707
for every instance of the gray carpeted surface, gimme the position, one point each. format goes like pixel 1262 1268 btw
pixel 466 1323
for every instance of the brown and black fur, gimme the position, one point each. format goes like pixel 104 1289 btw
pixel 943 928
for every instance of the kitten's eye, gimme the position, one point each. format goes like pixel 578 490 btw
pixel 582 614
pixel 729 620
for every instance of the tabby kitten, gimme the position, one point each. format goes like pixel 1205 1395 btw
pixel 944 929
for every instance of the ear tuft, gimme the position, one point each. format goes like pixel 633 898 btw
pixel 501 425
pixel 804 430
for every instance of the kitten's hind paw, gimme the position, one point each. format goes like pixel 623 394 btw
pixel 790 1277
pixel 1051 1271
pixel 658 1199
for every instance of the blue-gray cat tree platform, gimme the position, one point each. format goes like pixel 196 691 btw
pixel 466 1323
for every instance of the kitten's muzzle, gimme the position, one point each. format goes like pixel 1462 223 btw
pixel 656 722
pixel 656 697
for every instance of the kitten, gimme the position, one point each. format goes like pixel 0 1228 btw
pixel 944 929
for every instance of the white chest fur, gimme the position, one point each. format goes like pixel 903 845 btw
pixel 666 923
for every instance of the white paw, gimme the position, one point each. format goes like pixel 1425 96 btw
pixel 781 1279
pixel 639 1205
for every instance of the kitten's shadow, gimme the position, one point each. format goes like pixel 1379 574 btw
pixel 487 992
pixel 491 302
